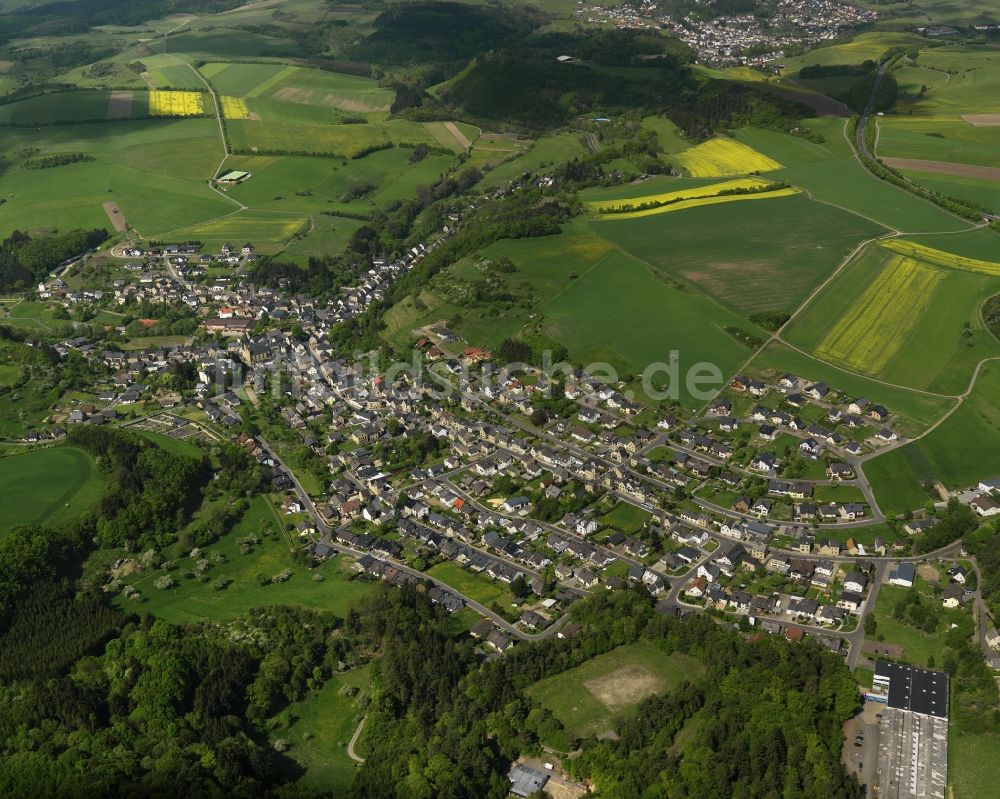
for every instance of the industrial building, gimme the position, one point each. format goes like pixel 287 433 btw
pixel 913 732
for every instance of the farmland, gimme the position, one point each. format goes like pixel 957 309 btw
pixel 944 138
pixel 877 327
pixel 957 453
pixel 588 699
pixel 176 104
pixel 47 486
pixel 749 256
pixel 932 340
pixel 718 157
pixel 686 198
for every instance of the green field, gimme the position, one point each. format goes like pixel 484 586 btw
pixel 588 699
pixel 962 450
pixel 324 722
pixel 49 109
pixel 918 646
pixel 916 410
pixel 972 759
pixel 47 486
pixel 155 170
pixel 248 136
pixel 477 586
pixel 936 343
pixel 974 85
pixel 897 478
pixel 268 229
pixel 192 600
pixel 626 517
pixel 749 256
pixel 621 313
pixel 948 138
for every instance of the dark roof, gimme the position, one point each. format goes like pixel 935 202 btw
pixel 917 690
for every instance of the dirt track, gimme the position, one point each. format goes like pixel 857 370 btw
pixel 115 215
pixel 460 137
pixel 945 168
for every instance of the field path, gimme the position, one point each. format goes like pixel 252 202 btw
pixel 218 113
pixel 354 739
pixel 115 215
pixel 460 137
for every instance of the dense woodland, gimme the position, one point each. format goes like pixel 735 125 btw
pixel 25 260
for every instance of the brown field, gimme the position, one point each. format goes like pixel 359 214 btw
pixel 982 120
pixel 945 168
pixel 460 137
pixel 115 215
pixel 294 94
pixel 624 687
pixel 120 105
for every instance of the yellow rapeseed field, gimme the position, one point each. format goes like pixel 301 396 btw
pixel 695 202
pixel 718 157
pixel 938 258
pixel 234 108
pixel 695 191
pixel 871 332
pixel 175 104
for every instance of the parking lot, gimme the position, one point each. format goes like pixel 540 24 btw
pixel 862 760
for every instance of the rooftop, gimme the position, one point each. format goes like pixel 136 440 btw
pixel 910 688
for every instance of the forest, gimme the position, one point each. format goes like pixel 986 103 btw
pixel 25 260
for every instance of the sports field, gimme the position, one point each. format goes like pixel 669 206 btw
pixel 47 486
pixel 718 157
pixel 752 256
pixel 588 699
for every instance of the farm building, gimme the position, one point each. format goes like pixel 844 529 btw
pixel 233 177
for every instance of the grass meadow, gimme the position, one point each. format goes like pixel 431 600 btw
pixel 750 257
pixel 324 722
pixel 589 699
pixel 47 486
pixel 946 138
pixel 192 600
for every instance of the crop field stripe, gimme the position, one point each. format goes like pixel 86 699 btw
pixel 718 157
pixel 169 103
pixel 273 81
pixel 939 258
pixel 690 192
pixel 870 334
pixel 234 108
pixel 694 203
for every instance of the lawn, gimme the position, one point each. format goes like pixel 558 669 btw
pixel 47 486
pixel 324 722
pixel 906 320
pixel 269 230
pixel 476 586
pixel 918 647
pixel 277 136
pixel 48 109
pixel 588 699
pixel 974 87
pixel 626 517
pixel 749 256
pixel 972 759
pixel 192 600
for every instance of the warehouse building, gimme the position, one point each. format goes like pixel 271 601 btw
pixel 913 733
